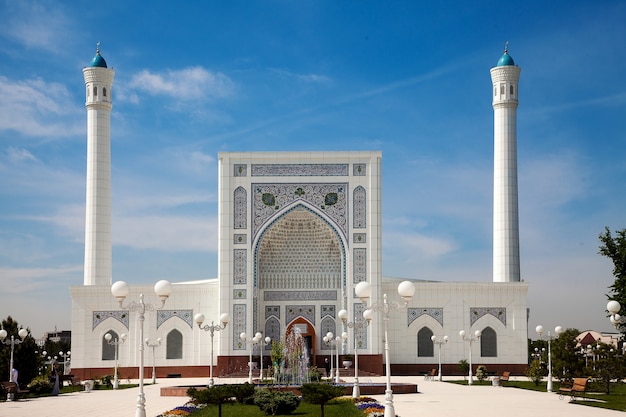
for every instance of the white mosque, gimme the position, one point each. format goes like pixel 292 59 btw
pixel 297 232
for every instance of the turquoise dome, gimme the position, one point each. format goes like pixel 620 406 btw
pixel 98 61
pixel 505 60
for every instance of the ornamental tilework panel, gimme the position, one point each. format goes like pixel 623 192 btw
pixel 293 312
pixel 240 294
pixel 240 239
pixel 414 313
pixel 358 170
pixel 240 270
pixel 184 315
pixel 360 331
pixel 239 325
pixel 478 312
pixel 267 199
pixel 100 316
pixel 359 265
pixel 272 311
pixel 240 209
pixel 240 170
pixel 299 295
pixel 358 238
pixel 272 329
pixel 358 208
pixel 299 170
pixel 327 310
pixel 327 325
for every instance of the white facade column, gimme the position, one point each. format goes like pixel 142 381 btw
pixel 506 259
pixel 98 83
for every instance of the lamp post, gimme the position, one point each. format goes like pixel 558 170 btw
pixel 406 290
pixel 65 356
pixel 252 342
pixel 199 319
pixel 153 345
pixel 262 343
pixel 557 331
pixel 356 325
pixel 22 333
pixel 120 291
pixel 471 339
pixel 329 340
pixel 116 342
pixel 439 342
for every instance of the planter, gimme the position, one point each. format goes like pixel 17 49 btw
pixel 347 364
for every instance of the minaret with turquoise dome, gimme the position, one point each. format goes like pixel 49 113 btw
pixel 506 258
pixel 98 85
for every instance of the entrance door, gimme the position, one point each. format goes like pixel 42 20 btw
pixel 307 331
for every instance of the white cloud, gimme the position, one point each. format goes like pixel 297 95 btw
pixel 32 108
pixel 187 84
pixel 306 78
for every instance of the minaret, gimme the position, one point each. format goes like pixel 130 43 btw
pixel 98 83
pixel 506 260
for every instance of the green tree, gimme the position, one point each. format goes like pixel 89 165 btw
pixel 614 247
pixel 608 366
pixel 464 367
pixel 566 362
pixel 217 394
pixel 320 394
pixel 25 358
pixel 534 372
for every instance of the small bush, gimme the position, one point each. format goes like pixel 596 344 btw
pixel 481 373
pixel 273 402
pixel 40 385
pixel 244 393
pixel 315 375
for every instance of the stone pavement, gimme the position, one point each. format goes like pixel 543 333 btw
pixel 434 399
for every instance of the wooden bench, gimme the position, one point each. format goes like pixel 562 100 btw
pixel 504 377
pixel 579 386
pixel 430 376
pixel 12 390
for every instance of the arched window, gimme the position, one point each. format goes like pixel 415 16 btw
pixel 425 346
pixel 108 351
pixel 95 91
pixel 174 345
pixel 272 329
pixel 104 91
pixel 511 90
pixel 489 343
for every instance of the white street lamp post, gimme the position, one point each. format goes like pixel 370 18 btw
pixel 356 324
pixel 262 343
pixel 256 339
pixel 471 339
pixel 22 333
pixel 120 291
pixel 439 342
pixel 329 340
pixel 339 341
pixel 406 290
pixel 153 345
pixel 557 331
pixel 66 362
pixel 115 342
pixel 224 319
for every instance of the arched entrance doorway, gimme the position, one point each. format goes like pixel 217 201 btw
pixel 307 331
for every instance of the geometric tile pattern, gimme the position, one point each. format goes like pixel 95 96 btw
pixel 414 313
pixel 358 170
pixel 306 311
pixel 100 316
pixel 240 170
pixel 240 239
pixel 358 238
pixel 299 295
pixel 240 294
pixel 272 311
pixel 327 310
pixel 239 325
pixel 240 209
pixel 359 265
pixel 184 315
pixel 497 312
pixel 240 266
pixel 359 220
pixel 299 170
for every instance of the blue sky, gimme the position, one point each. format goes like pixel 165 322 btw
pixel 409 78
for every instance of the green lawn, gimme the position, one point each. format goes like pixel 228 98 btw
pixel 335 408
pixel 595 396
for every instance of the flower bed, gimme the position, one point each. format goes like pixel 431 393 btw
pixel 183 410
pixel 369 406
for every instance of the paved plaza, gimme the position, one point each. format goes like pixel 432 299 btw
pixel 434 399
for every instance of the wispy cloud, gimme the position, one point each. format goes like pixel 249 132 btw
pixel 34 107
pixel 186 84
pixel 23 280
pixel 306 78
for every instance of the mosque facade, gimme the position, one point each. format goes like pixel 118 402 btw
pixel 297 232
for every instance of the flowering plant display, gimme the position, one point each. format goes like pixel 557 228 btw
pixel 183 410
pixel 369 406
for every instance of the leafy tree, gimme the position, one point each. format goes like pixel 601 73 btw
pixel 217 394
pixel 25 358
pixel 614 247
pixel 481 373
pixel 464 367
pixel 608 366
pixel 566 363
pixel 535 371
pixel 320 394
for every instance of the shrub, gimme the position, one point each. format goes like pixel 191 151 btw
pixel 535 372
pixel 315 375
pixel 243 393
pixel 40 385
pixel 273 402
pixel 481 373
